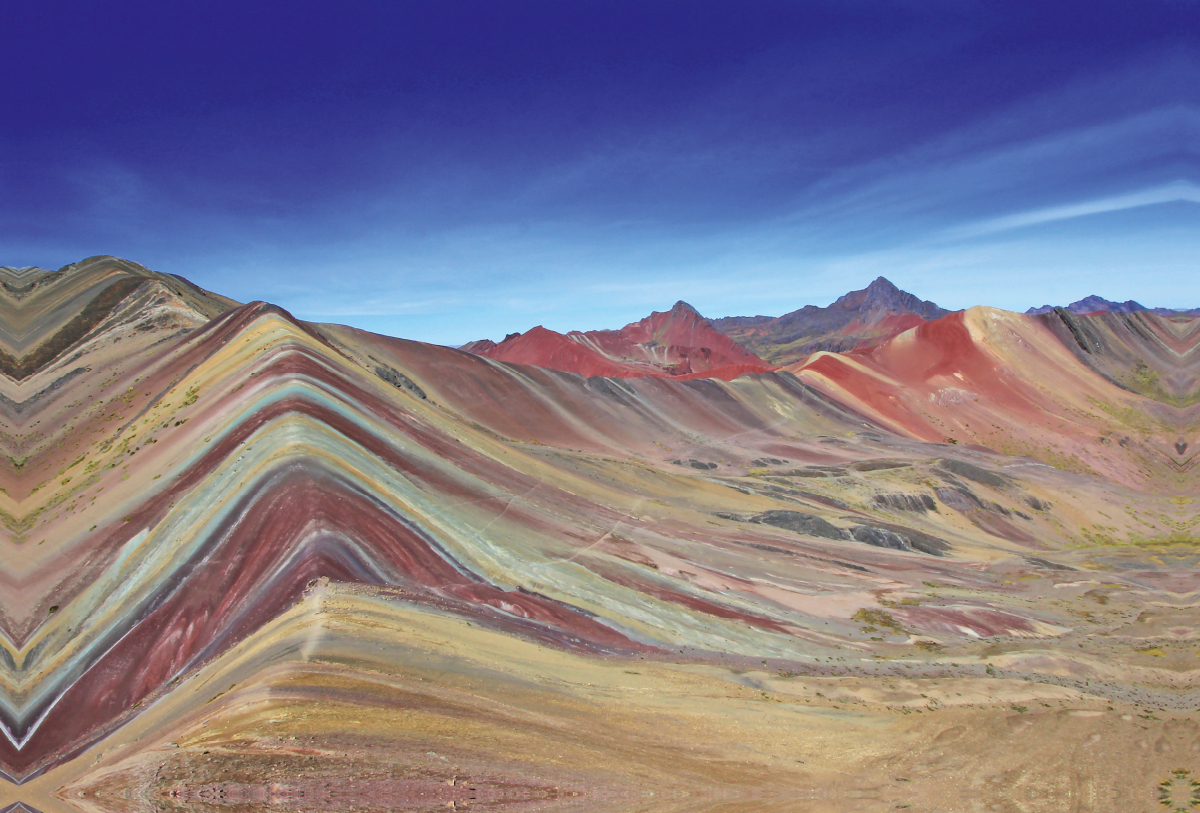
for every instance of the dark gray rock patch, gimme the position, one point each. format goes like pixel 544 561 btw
pixel 899 538
pixel 400 381
pixel 960 499
pixel 979 475
pixel 800 523
pixel 878 465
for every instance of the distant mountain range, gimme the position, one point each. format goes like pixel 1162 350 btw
pixel 678 342
pixel 1098 304
pixel 682 343
pixel 866 317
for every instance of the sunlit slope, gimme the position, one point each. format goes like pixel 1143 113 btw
pixel 246 459
pixel 1005 381
pixel 175 486
pixel 355 700
pixel 217 510
pixel 236 463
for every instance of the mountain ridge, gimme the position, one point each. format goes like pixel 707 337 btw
pixel 1093 304
pixel 857 318
pixel 678 342
pixel 1098 304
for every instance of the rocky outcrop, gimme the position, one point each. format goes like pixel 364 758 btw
pixel 872 315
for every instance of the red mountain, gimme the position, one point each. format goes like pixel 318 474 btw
pixel 678 342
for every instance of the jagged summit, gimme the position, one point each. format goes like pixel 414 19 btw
pixel 880 290
pixel 882 296
pixel 871 315
pixel 682 307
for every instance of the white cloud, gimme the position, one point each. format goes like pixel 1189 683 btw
pixel 1177 192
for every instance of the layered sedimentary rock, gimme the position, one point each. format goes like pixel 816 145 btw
pixel 1149 353
pixel 259 563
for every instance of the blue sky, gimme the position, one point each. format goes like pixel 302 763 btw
pixel 453 170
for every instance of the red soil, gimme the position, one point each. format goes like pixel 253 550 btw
pixel 676 343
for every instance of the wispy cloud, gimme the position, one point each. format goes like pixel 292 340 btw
pixel 1177 192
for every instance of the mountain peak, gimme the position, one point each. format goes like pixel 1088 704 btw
pixel 882 284
pixel 883 297
pixel 866 316
pixel 682 307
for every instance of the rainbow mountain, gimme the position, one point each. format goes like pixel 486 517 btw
pixel 255 561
